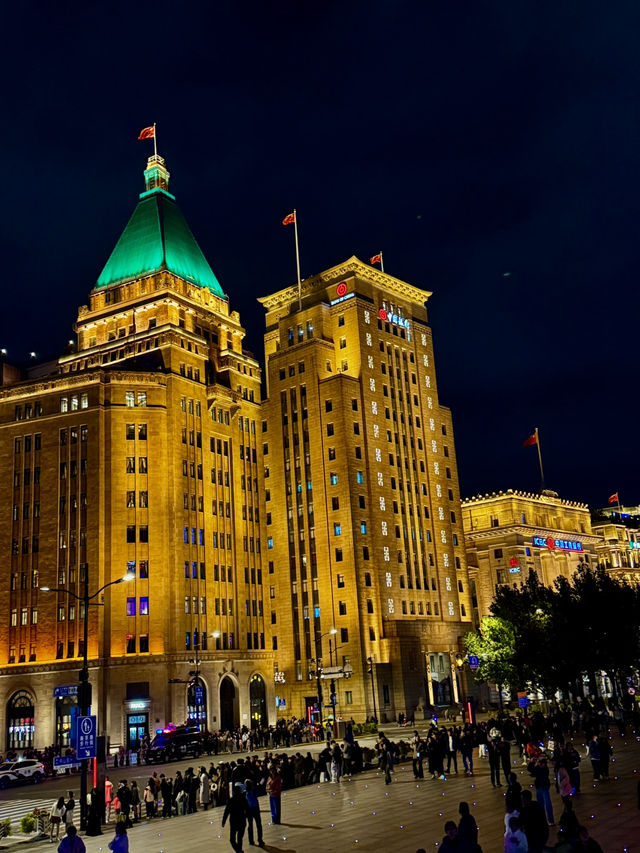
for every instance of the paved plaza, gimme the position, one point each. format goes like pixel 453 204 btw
pixel 362 813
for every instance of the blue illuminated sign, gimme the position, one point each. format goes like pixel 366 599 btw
pixel 560 544
pixel 342 298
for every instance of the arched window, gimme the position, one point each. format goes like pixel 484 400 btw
pixel 197 703
pixel 20 721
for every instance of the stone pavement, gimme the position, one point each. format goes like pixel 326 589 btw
pixel 364 814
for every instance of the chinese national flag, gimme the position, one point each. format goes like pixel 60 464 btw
pixel 614 499
pixel 147 133
pixel 289 220
pixel 376 259
pixel 533 439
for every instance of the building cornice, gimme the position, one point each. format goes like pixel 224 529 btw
pixel 543 500
pixel 353 266
pixel 530 531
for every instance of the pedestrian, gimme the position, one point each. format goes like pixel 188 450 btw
pixel 467 830
pixel 542 784
pixel 493 749
pixel 564 783
pixel 124 795
pixel 274 790
pixel 515 841
pixel 205 789
pixel 71 843
pixel 237 810
pixel 135 801
pixel 120 842
pixel 450 840
pixel 149 801
pixel 94 816
pixel 108 797
pixel 55 818
pixel 586 844
pixel 418 770
pixel 253 815
pixel 533 823
pixel 594 755
pixel 69 808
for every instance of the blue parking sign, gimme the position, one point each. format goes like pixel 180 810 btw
pixel 86 737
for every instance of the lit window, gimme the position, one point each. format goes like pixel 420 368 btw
pixel 359 477
pixel 144 606
pixel 129 399
pixel 337 528
pixel 142 398
pixel 131 607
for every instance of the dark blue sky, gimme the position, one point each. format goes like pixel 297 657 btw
pixel 465 140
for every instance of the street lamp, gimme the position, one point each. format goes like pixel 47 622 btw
pixel 84 686
pixel 318 640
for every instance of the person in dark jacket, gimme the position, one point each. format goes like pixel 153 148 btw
pixel 166 792
pixel 253 813
pixel 534 823
pixel 542 783
pixel 467 830
pixel 237 810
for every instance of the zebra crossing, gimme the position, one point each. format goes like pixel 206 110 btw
pixel 16 809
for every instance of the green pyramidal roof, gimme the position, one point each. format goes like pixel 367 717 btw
pixel 158 238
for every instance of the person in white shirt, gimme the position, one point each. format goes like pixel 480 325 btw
pixel 515 841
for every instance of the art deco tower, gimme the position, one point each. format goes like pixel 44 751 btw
pixel 140 452
pixel 363 524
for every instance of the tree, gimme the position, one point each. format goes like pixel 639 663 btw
pixel 494 646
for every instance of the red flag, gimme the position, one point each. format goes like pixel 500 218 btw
pixel 147 132
pixel 614 499
pixel 289 220
pixel 376 259
pixel 533 439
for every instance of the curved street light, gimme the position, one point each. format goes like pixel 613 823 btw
pixel 84 687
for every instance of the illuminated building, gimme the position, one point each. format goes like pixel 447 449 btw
pixel 138 452
pixel 619 547
pixel 509 533
pixel 364 543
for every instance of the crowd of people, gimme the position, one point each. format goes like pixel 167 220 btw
pixel 541 743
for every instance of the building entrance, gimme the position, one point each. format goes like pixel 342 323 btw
pixel 20 721
pixel 258 701
pixel 137 728
pixel 229 710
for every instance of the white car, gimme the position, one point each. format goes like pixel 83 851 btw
pixel 24 770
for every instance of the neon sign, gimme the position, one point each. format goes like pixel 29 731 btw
pixel 388 317
pixel 559 544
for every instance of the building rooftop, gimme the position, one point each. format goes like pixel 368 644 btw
pixel 548 498
pixel 158 238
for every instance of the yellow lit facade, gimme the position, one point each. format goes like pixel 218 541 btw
pixel 509 533
pixel 140 452
pixel 619 548
pixel 365 555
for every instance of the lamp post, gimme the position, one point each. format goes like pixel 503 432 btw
pixel 194 678
pixel 84 686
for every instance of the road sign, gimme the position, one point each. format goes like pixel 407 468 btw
pixel 65 690
pixel 65 760
pixel 631 691
pixel 87 736
pixel 474 662
pixel 523 701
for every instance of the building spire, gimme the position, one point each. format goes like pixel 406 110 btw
pixel 156 175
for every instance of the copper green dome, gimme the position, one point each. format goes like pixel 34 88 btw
pixel 158 238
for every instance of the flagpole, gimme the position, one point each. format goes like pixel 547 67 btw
pixel 155 145
pixel 540 457
pixel 295 225
pixel 381 263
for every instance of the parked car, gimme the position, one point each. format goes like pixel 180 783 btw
pixel 24 770
pixel 175 742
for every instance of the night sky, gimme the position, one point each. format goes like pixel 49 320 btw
pixel 490 149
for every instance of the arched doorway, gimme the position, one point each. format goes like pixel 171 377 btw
pixel 20 721
pixel 229 710
pixel 258 701
pixel 197 703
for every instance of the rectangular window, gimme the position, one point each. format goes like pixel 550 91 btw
pixel 131 607
pixel 144 606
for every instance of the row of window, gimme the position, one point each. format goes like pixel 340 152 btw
pixel 75 402
pixel 68 469
pixel 30 410
pixel 24 616
pixel 26 477
pixel 25 441
pixel 143 606
pixel 130 465
pixel 72 435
